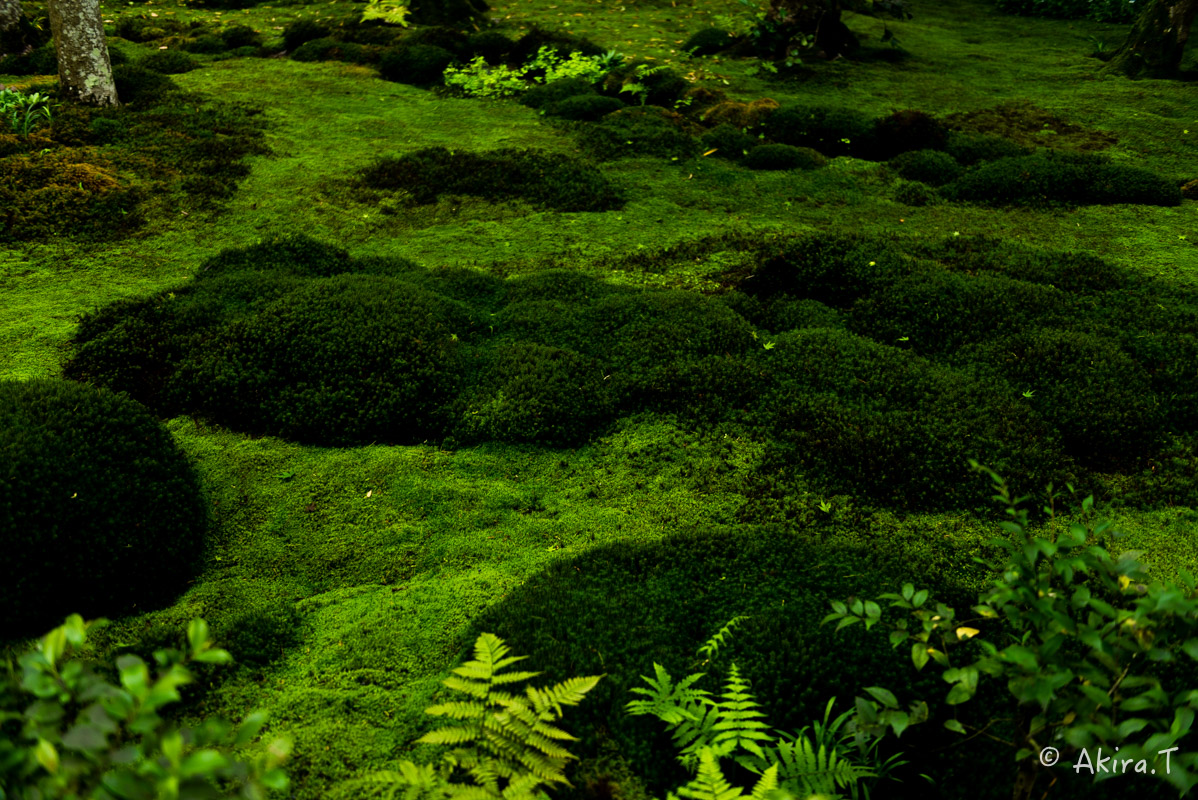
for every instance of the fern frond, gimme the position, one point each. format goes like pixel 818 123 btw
pixel 461 709
pixel 669 702
pixel 808 769
pixel 710 783
pixel 767 783
pixel 478 688
pixel 712 646
pixel 450 736
pixel 567 693
pixel 513 677
pixel 411 781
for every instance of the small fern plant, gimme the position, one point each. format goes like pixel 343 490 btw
pixel 707 729
pixel 505 742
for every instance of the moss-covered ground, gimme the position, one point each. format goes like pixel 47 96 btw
pixel 348 579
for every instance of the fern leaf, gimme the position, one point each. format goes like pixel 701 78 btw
pixel 712 646
pixel 478 688
pixel 461 709
pixel 566 693
pixel 668 702
pixel 450 736
pixel 710 783
pixel 513 677
pixel 767 783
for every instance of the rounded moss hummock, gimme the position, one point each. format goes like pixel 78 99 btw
pixel 783 157
pixel 100 512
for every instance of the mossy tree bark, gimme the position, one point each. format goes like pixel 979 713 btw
pixel 1157 40
pixel 84 71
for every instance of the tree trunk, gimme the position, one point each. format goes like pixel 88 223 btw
pixel 1157 40
pixel 84 72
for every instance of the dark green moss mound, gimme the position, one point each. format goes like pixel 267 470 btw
pixel 143 28
pixel 707 42
pixel 100 512
pixel 783 157
pixel 327 49
pixel 418 65
pixel 904 131
pixel 549 94
pixel 728 142
pixel 914 193
pixel 464 14
pixel 618 610
pixel 639 132
pixel 449 39
pixel 42 60
pixel 549 179
pixel 236 36
pixel 584 107
pixel 932 167
pixel 832 131
pixel 169 62
pixel 301 31
pixel 261 635
pixel 864 418
pixel 291 255
pixel 1057 178
pixel 937 311
pixel 834 269
pixel 342 360
pixel 528 45
pixel 658 85
pixel 493 46
pixel 207 44
pixel 538 394
pixel 1088 388
pixel 141 87
pixel 973 148
pixel 1070 272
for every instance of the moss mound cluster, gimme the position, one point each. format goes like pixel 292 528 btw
pixel 72 192
pixel 783 157
pixel 619 610
pixel 728 142
pixel 640 131
pixel 707 42
pixel 932 167
pixel 419 65
pixel 873 368
pixel 551 180
pixel 100 512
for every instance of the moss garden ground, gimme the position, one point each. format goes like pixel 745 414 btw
pixel 599 378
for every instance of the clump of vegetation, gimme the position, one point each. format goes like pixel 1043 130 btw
pixel 783 157
pixel 1058 178
pixel 969 149
pixel 101 511
pixel 1028 125
pixel 907 130
pixel 707 42
pixel 584 107
pixel 141 87
pixel 328 49
pixel 531 43
pixel 73 192
pixel 236 36
pixel 493 46
pixel 832 131
pixel 303 30
pixel 933 167
pixel 555 181
pixel 742 116
pixel 418 65
pixel 169 62
pixel 449 39
pixel 728 142
pixel 639 132
pixel 547 94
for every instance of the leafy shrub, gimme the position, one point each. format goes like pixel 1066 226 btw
pixel 585 107
pixel 1059 178
pixel 655 85
pixel 553 180
pixel 350 359
pixel 418 65
pixel 118 744
pixel 1087 388
pixel 707 42
pixel 303 30
pixel 99 510
pixel 783 157
pixel 493 46
pixel 637 132
pixel 617 608
pixel 169 62
pixel 907 130
pixel 236 36
pixel 728 141
pixel 932 167
pixel 538 394
pixel 141 87
pixel 832 131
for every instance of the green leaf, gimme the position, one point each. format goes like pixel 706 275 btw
pixel 919 654
pixel 46 755
pixel 197 635
pixel 214 656
pixel 920 597
pixel 202 762
pixel 954 725
pixel 883 696
pixel 250 728
pixel 899 722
